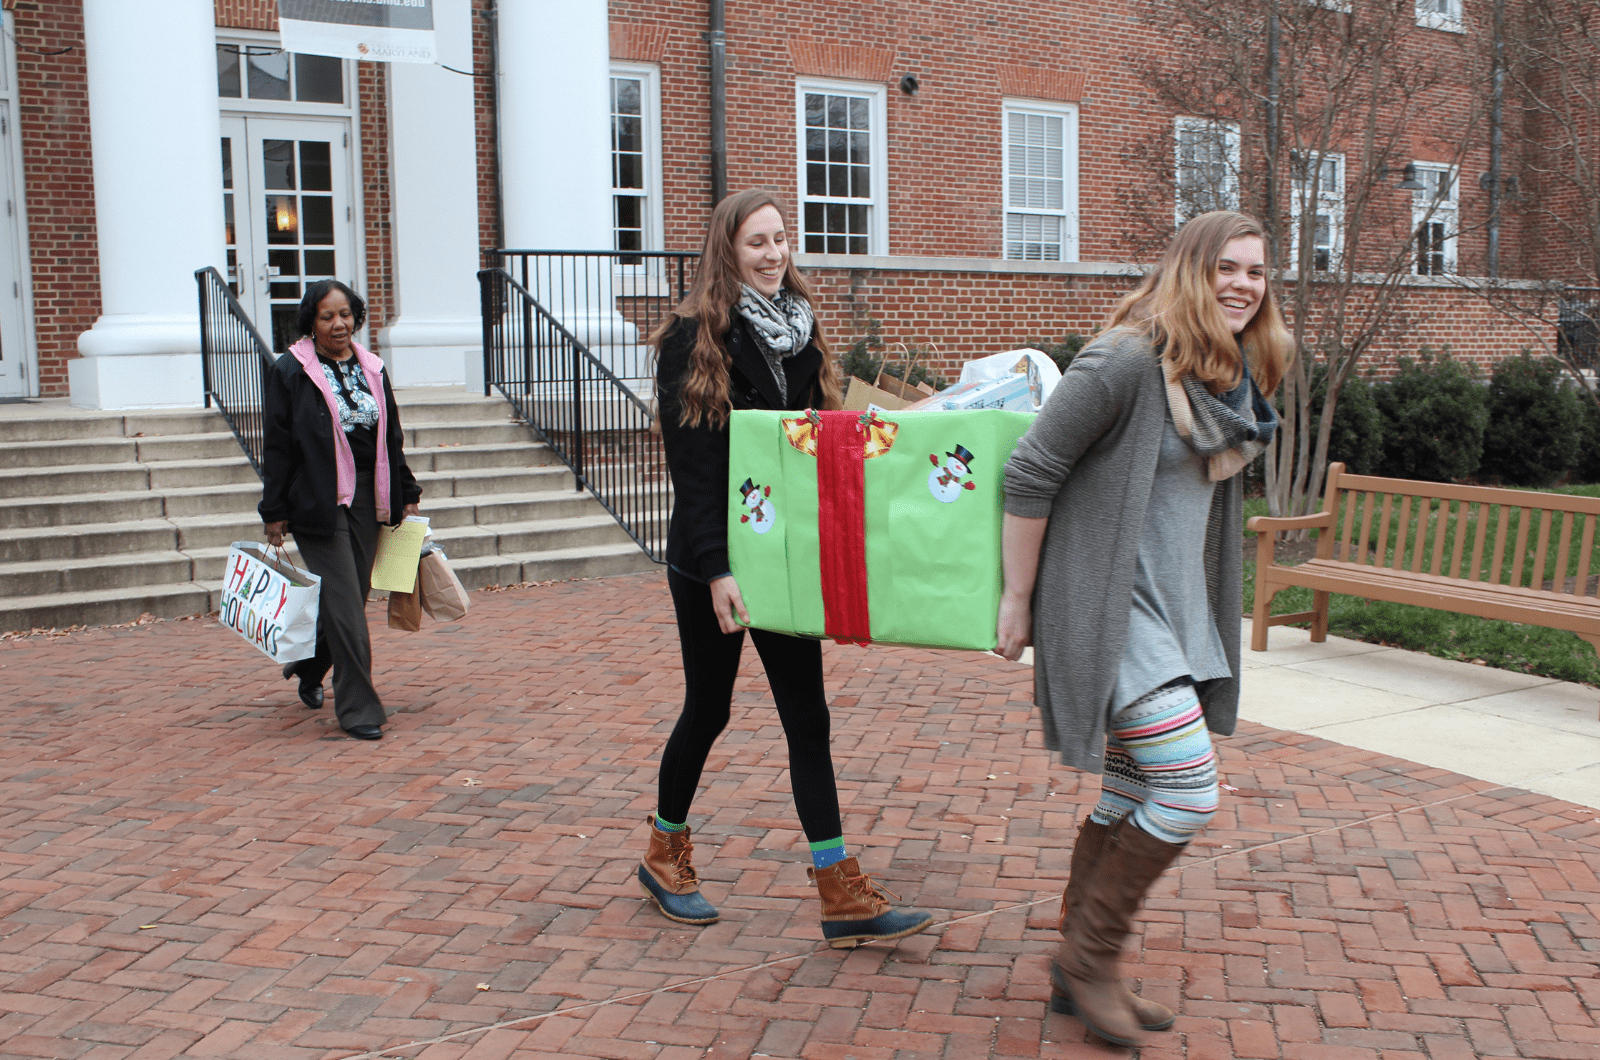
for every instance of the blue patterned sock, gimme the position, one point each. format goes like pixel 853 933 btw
pixel 828 852
pixel 668 826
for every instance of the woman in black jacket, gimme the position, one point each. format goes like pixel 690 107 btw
pixel 332 472
pixel 744 338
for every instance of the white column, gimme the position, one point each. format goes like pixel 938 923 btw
pixel 555 136
pixel 155 135
pixel 435 188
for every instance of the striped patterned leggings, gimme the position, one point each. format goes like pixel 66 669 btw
pixel 1160 766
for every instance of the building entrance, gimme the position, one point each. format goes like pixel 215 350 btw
pixel 286 201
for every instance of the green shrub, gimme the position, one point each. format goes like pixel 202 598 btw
pixel 1434 416
pixel 1587 467
pixel 1535 422
pixel 1357 434
pixel 865 358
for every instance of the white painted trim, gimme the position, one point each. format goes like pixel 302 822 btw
pixel 910 263
pixel 878 222
pixel 30 338
pixel 649 75
pixel 1450 21
pixel 1330 201
pixel 1069 111
pixel 1446 211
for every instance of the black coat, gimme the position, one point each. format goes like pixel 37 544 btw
pixel 299 470
pixel 697 457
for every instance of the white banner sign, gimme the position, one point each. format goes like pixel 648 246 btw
pixel 380 31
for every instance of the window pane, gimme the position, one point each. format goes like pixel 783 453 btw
pixel 860 182
pixel 287 262
pixel 816 107
pixel 627 95
pixel 858 148
pixel 318 79
pixel 283 221
pixel 277 157
pixel 816 179
pixel 836 145
pixel 838 107
pixel 227 162
pixel 628 213
pixel 227 220
pixel 316 168
pixel 816 145
pixel 319 263
pixel 318 210
pixel 839 181
pixel 269 76
pixel 630 171
pixel 858 245
pixel 626 133
pixel 289 289
pixel 858 113
pixel 284 333
pixel 227 71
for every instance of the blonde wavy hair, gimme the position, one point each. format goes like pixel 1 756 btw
pixel 1177 307
pixel 703 394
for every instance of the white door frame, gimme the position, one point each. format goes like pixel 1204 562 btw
pixel 354 270
pixel 20 339
pixel 249 191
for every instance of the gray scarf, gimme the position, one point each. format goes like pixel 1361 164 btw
pixel 1230 429
pixel 782 327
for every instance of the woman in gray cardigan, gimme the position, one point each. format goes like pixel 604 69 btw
pixel 1121 552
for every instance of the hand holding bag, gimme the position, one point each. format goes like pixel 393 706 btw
pixel 270 602
pixel 443 596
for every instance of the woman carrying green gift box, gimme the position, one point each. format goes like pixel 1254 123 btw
pixel 1121 550
pixel 744 338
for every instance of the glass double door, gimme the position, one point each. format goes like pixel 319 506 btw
pixel 286 200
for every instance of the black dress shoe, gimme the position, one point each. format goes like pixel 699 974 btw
pixel 366 732
pixel 310 694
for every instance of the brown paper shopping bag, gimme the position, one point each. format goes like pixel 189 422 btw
pixel 405 610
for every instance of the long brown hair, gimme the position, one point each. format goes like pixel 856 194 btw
pixel 711 298
pixel 1176 306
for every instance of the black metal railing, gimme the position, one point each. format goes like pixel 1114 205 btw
pixel 575 365
pixel 1578 328
pixel 234 360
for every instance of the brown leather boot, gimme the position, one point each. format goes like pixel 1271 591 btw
pixel 1085 968
pixel 1086 853
pixel 856 911
pixel 668 877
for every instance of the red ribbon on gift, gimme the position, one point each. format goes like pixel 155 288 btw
pixel 842 525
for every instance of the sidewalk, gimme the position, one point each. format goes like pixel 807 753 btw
pixel 191 864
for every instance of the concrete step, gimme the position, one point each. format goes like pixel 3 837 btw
pixel 88 542
pixel 58 421
pixel 584 561
pixel 107 608
pixel 430 404
pixel 57 452
pixel 80 509
pixel 210 564
pixel 212 500
pixel 216 530
pixel 78 479
pixel 43 577
pixel 216 445
pixel 430 435
pixel 473 455
pixel 177 474
pixel 482 482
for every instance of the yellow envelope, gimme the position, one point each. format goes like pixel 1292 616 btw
pixel 394 569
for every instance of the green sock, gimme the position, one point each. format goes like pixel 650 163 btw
pixel 828 852
pixel 668 826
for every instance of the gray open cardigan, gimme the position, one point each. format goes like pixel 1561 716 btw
pixel 1088 463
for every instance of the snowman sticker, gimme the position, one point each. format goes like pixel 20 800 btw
pixel 762 516
pixel 946 483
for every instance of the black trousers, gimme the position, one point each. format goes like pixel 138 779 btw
pixel 710 666
pixel 343 560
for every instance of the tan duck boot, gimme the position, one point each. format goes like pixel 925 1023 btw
pixel 855 910
pixel 1098 922
pixel 668 877
pixel 1086 854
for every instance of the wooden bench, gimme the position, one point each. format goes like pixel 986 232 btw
pixel 1368 546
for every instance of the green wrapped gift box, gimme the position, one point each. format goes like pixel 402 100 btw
pixel 881 527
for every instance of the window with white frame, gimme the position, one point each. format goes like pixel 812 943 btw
pixel 1440 14
pixel 1041 181
pixel 635 159
pixel 1435 217
pixel 1207 167
pixel 842 173
pixel 1316 208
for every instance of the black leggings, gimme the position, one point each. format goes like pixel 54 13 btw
pixel 710 666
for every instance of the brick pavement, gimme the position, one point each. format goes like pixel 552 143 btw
pixel 194 865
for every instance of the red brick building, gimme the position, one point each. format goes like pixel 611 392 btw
pixel 970 177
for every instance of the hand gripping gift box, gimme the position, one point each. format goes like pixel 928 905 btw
pixel 871 527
